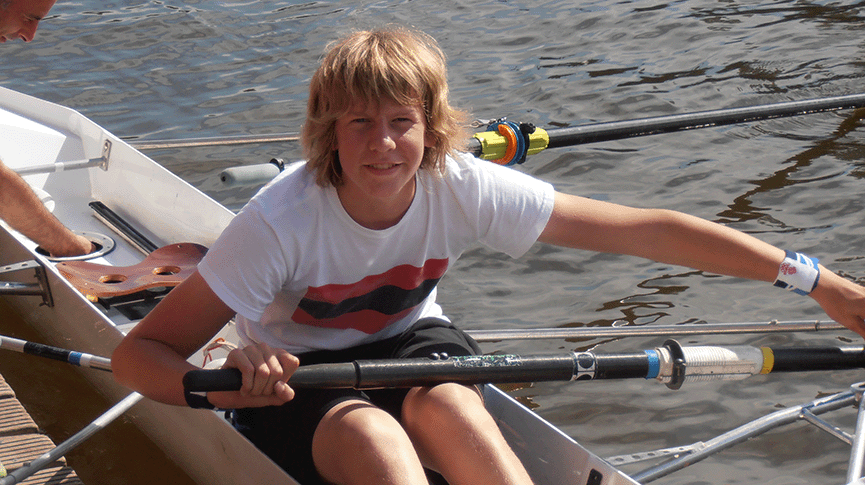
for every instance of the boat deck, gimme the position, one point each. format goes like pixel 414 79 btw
pixel 21 442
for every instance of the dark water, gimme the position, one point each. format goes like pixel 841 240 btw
pixel 155 70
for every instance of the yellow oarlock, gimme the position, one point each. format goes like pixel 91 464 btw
pixel 494 146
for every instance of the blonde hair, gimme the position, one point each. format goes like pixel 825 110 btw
pixel 396 64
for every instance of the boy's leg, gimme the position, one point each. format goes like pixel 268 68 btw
pixel 448 424
pixel 456 436
pixel 358 443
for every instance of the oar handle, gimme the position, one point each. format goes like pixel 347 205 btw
pixel 402 373
pixel 395 373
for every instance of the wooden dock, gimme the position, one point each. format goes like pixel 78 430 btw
pixel 21 442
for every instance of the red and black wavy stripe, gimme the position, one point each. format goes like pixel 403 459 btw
pixel 372 303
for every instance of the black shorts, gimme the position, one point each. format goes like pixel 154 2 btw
pixel 284 433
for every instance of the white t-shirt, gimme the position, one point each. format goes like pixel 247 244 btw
pixel 303 275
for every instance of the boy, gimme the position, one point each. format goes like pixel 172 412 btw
pixel 338 259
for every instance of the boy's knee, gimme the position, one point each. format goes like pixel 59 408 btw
pixel 355 422
pixel 356 440
pixel 432 407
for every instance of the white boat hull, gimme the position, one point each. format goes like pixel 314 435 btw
pixel 168 210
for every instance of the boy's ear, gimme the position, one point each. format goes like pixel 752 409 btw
pixel 429 140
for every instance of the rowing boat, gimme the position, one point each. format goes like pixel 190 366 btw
pixel 142 216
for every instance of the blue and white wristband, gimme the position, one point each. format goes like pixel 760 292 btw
pixel 798 273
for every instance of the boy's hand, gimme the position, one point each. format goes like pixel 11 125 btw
pixel 842 300
pixel 265 373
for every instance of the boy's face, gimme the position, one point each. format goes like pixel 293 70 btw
pixel 380 150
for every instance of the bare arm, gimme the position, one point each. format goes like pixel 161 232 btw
pixel 22 209
pixel 676 238
pixel 152 357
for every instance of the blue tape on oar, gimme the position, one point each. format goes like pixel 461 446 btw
pixel 654 364
pixel 75 358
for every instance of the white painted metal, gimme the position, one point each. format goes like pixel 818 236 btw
pixel 550 456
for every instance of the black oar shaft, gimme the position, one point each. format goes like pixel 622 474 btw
pixel 618 130
pixel 622 366
pixel 819 358
pixel 464 370
pixel 375 374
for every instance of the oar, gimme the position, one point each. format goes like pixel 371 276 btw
pixel 617 130
pixel 671 363
pixel 214 141
pixel 58 451
pixel 773 326
pixel 493 145
pixel 80 359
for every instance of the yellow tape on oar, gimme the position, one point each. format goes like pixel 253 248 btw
pixel 768 360
pixel 495 145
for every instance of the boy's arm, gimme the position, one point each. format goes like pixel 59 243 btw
pixel 677 238
pixel 151 359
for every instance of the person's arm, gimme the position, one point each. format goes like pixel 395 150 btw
pixel 22 209
pixel 676 238
pixel 151 359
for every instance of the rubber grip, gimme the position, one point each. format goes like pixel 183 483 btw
pixel 202 380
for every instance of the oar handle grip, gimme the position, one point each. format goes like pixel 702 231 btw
pixel 322 375
pixel 207 380
pixel 343 375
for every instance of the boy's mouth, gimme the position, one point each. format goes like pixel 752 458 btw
pixel 382 166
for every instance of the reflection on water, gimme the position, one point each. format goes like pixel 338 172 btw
pixel 156 70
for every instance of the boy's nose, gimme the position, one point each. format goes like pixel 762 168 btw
pixel 382 138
